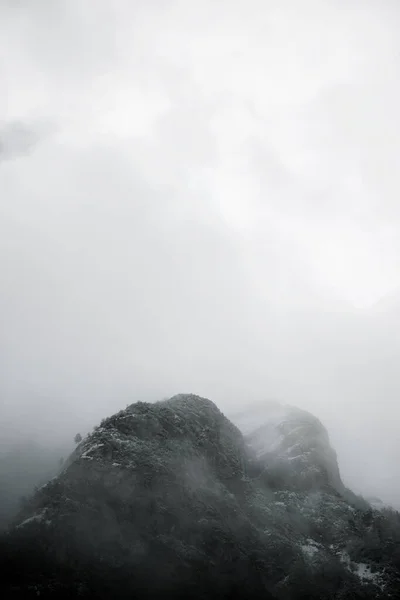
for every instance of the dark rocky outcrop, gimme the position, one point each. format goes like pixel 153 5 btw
pixel 170 499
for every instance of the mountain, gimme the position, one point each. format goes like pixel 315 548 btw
pixel 171 499
pixel 291 444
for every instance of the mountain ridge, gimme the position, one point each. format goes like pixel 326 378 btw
pixel 175 488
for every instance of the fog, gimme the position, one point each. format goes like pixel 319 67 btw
pixel 202 197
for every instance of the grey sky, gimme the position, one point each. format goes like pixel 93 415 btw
pixel 204 199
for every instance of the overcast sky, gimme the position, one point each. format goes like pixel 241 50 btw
pixel 202 196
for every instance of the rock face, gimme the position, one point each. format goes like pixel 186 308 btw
pixel 170 499
pixel 292 445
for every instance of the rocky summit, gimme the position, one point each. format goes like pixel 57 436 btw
pixel 292 445
pixel 173 499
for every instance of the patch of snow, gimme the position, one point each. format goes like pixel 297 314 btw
pixel 311 548
pixel 291 448
pixel 94 447
pixel 362 570
pixel 39 517
pixel 296 457
pixel 129 416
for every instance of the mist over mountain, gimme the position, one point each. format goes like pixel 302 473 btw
pixel 203 196
pixel 171 498
pixel 25 465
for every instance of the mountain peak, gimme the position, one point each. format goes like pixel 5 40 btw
pixel 292 442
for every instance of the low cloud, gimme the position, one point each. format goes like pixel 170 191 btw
pixel 19 139
pixel 202 196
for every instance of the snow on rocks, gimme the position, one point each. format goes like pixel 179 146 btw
pixel 36 518
pixel 310 548
pixel 362 570
pixel 92 448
